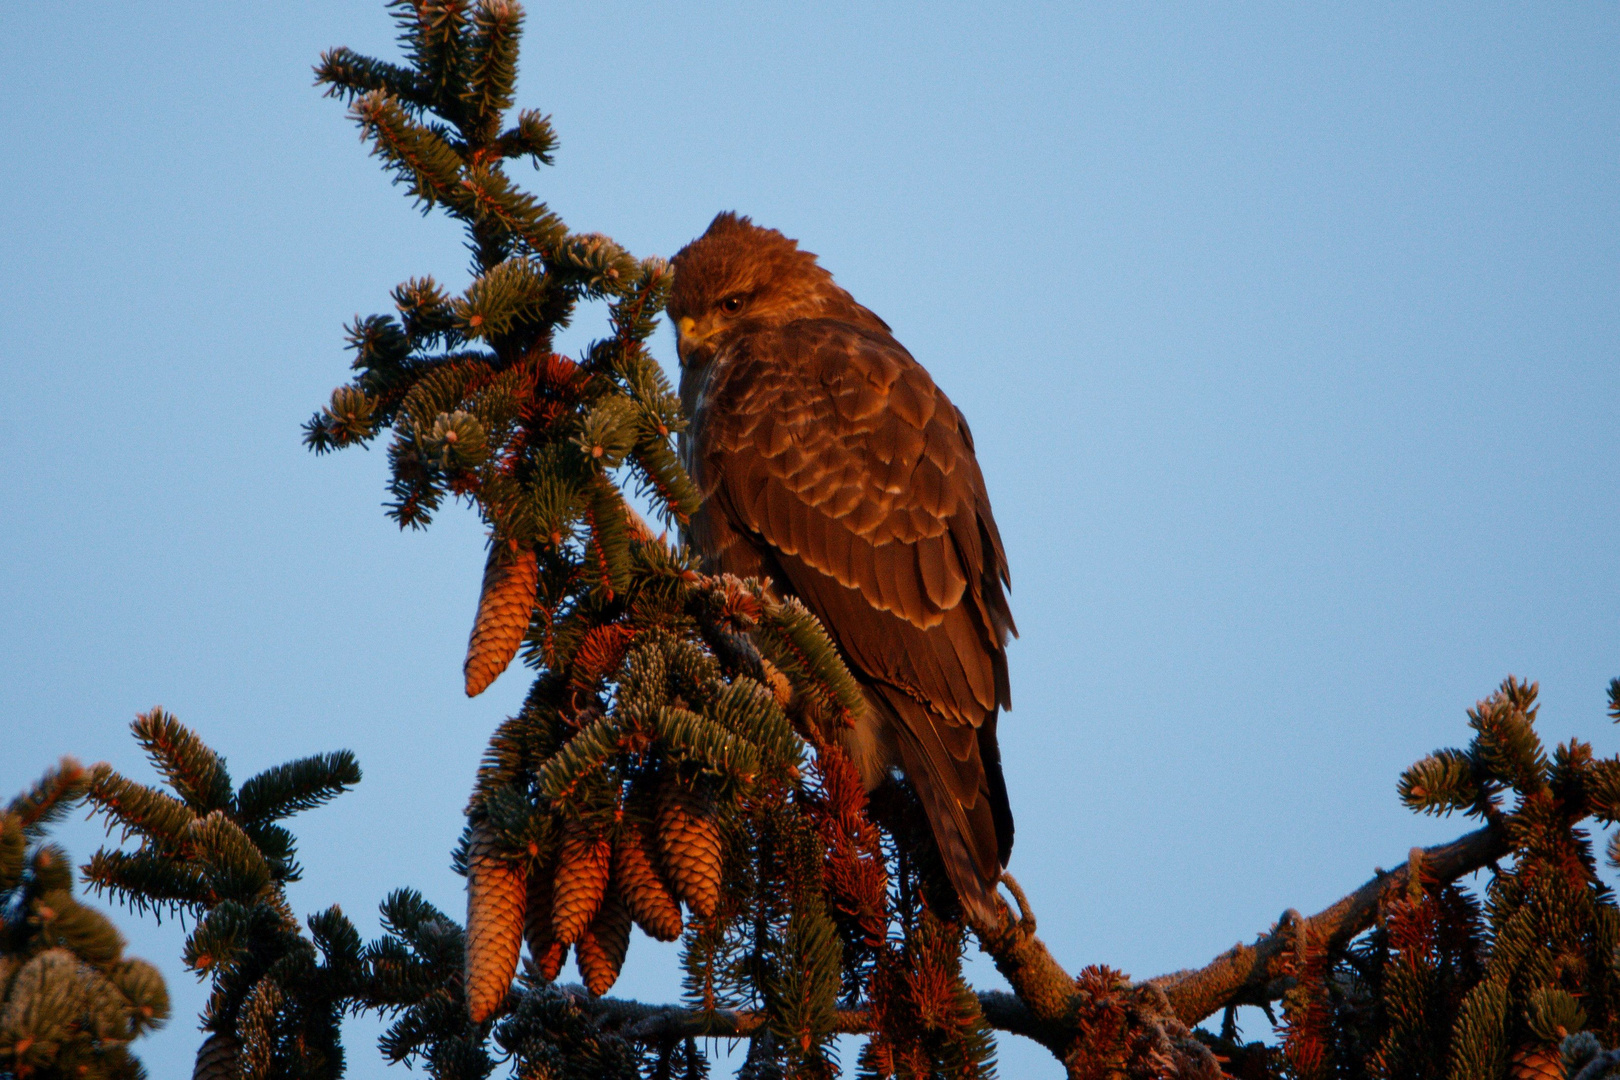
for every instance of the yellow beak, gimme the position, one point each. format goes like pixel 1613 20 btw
pixel 688 336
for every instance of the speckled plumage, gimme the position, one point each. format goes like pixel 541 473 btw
pixel 831 464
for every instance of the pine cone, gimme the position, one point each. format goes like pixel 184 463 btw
pixel 504 608
pixel 637 879
pixel 1537 1062
pixel 545 950
pixel 689 841
pixel 604 943
pixel 496 894
pixel 218 1058
pixel 583 861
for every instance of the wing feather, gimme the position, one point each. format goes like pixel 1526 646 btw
pixel 841 467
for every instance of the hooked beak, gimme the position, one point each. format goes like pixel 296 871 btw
pixel 688 336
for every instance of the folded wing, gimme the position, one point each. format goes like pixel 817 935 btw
pixel 832 462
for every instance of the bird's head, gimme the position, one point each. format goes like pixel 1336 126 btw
pixel 738 277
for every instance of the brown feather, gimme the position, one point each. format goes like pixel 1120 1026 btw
pixel 830 461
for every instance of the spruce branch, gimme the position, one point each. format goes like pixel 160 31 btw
pixel 531 137
pixel 491 67
pixel 147 880
pixel 522 216
pixel 1442 782
pixel 278 994
pixel 1044 999
pixel 147 812
pixel 296 786
pixel 347 74
pixel 418 156
pixel 1603 1065
pixel 196 773
pixel 70 1002
pixel 433 32
pixel 657 1024
pixel 1249 974
pixel 49 799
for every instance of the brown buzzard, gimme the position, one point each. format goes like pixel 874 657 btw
pixel 831 464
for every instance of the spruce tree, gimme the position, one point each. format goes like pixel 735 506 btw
pixel 678 746
pixel 676 763
pixel 216 854
pixel 71 1003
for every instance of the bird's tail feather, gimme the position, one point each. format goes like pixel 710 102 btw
pixel 960 814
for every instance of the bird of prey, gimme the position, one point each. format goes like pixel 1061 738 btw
pixel 831 464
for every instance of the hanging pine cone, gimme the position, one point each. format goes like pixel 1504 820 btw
pixel 1537 1062
pixel 496 895
pixel 545 950
pixel 689 841
pixel 583 860
pixel 636 877
pixel 218 1059
pixel 504 608
pixel 604 943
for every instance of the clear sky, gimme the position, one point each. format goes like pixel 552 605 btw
pixel 1288 334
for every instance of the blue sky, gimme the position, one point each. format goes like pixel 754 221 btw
pixel 1288 335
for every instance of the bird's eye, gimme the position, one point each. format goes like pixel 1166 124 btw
pixel 731 305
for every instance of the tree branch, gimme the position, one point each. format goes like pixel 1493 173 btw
pixel 1252 974
pixel 1243 975
pixel 664 1023
pixel 1004 1012
pixel 1599 1066
pixel 1042 986
pixel 1045 997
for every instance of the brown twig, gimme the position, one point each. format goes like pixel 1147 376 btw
pixel 1252 975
